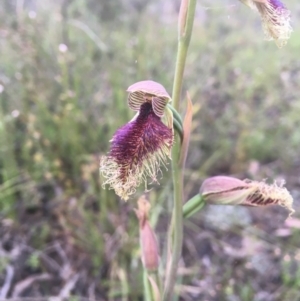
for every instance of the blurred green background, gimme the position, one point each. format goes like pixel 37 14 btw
pixel 64 70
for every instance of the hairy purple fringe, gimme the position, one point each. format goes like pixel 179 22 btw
pixel 136 141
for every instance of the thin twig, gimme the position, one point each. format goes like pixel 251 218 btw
pixel 7 282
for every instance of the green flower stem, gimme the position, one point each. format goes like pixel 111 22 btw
pixel 147 288
pixel 176 115
pixel 195 204
pixel 177 121
pixel 176 227
pixel 178 128
pixel 157 280
pixel 151 293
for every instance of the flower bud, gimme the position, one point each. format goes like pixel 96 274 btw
pixel 148 242
pixel 224 190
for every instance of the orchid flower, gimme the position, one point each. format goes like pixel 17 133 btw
pixel 140 147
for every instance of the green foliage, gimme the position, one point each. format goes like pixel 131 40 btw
pixel 33 261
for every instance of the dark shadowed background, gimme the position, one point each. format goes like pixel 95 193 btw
pixel 64 70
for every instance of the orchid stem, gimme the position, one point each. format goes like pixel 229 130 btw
pixel 193 205
pixel 186 20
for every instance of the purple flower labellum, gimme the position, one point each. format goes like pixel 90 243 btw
pixel 137 151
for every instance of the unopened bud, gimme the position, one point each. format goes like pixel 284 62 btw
pixel 148 242
pixel 224 190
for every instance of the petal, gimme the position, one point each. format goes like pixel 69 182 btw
pixel 148 91
pixel 135 100
pixel 159 105
pixel 150 87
